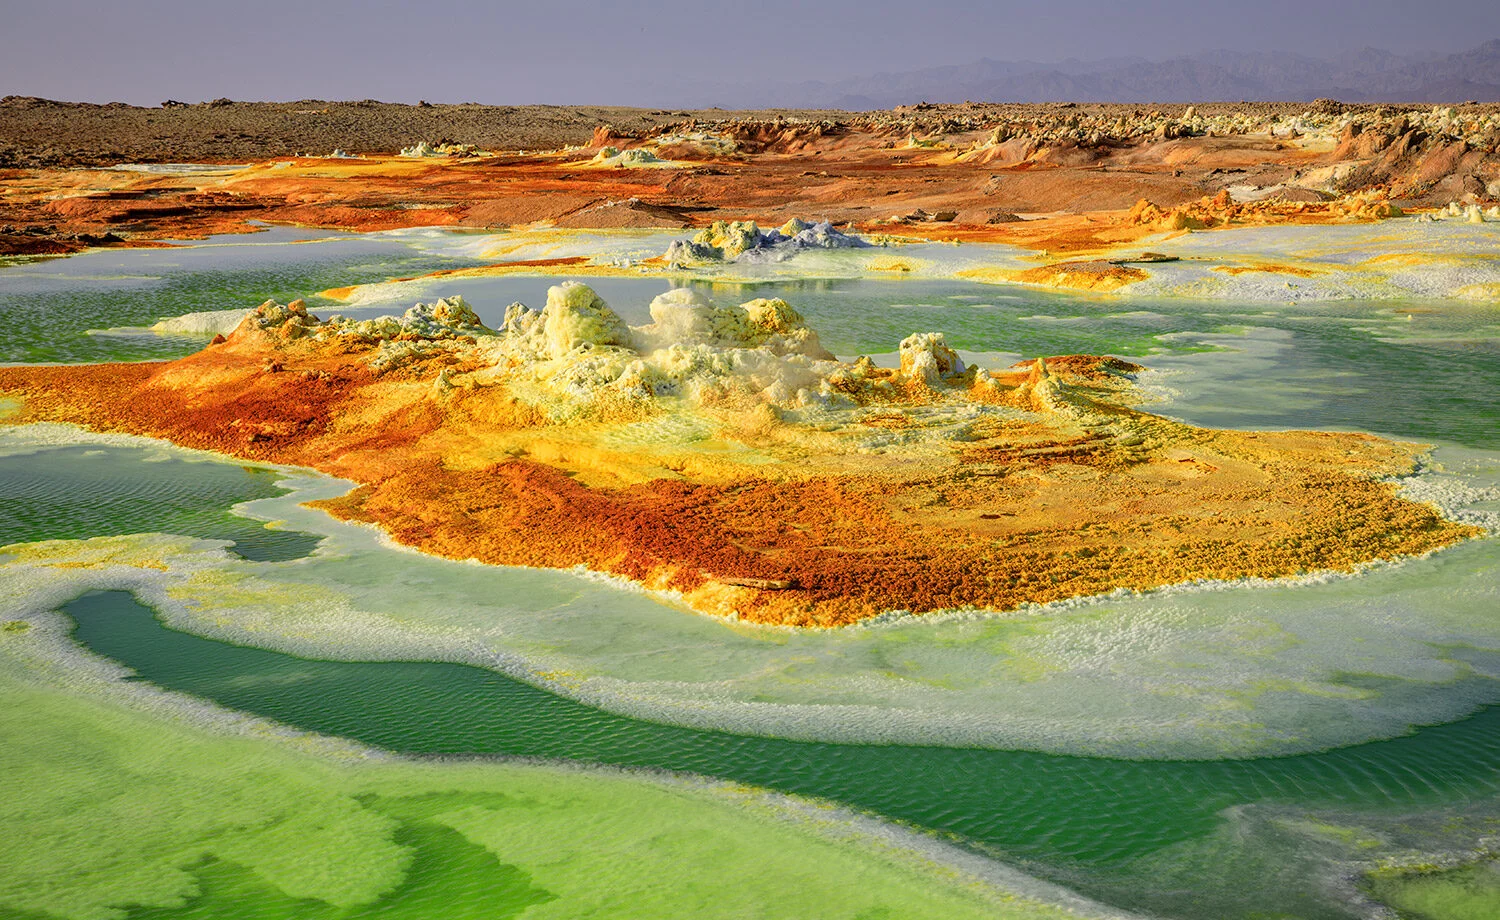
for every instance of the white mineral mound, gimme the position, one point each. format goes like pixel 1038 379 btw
pixel 423 149
pixel 580 349
pixel 576 352
pixel 205 325
pixel 744 240
pixel 629 158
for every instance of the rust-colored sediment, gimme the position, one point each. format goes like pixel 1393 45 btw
pixel 1036 507
pixel 949 173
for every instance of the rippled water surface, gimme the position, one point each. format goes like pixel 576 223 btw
pixel 1085 818
pixel 72 493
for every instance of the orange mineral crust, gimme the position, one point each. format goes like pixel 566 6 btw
pixel 721 453
pixel 1071 182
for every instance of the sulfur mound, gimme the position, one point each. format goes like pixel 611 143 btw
pixel 422 150
pixel 1471 213
pixel 925 356
pixel 447 318
pixel 736 241
pixel 630 158
pixel 720 452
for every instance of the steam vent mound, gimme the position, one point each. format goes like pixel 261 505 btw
pixel 722 454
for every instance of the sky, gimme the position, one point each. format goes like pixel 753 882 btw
pixel 648 52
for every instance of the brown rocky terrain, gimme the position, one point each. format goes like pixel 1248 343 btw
pixel 970 171
pixel 47 133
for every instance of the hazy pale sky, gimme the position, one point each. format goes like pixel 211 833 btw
pixel 641 53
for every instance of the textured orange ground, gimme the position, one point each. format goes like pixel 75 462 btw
pixel 1031 509
pixel 1080 202
pixel 1086 276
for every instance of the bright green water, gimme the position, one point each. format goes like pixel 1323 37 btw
pixel 134 800
pixel 1468 893
pixel 448 877
pixel 1083 819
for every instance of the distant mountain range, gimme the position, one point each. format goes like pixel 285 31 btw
pixel 1369 75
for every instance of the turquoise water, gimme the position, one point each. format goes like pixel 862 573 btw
pixel 50 307
pixel 1252 838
